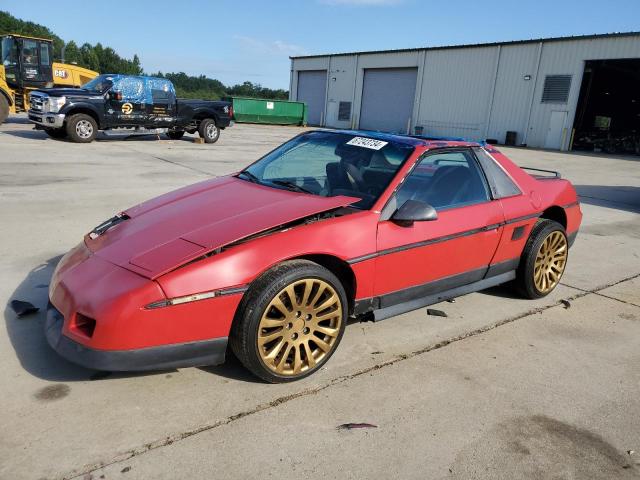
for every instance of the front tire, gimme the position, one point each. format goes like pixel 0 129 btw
pixel 81 128
pixel 4 108
pixel 543 260
pixel 209 131
pixel 290 321
pixel 57 133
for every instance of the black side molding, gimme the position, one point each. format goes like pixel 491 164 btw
pixel 437 290
pixel 394 310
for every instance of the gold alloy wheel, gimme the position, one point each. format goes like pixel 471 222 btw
pixel 550 262
pixel 300 326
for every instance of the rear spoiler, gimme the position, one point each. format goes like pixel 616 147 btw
pixel 550 173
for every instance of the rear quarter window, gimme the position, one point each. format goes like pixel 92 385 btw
pixel 499 181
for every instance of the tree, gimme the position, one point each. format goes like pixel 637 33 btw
pixel 72 53
pixel 89 58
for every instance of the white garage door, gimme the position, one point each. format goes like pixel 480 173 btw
pixel 312 88
pixel 387 99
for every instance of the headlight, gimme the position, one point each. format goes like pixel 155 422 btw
pixel 56 103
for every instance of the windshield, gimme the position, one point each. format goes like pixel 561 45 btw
pixel 100 84
pixel 331 163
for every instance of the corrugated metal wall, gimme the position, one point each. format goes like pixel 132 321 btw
pixel 456 90
pixel 512 95
pixel 476 92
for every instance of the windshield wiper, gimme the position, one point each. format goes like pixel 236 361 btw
pixel 250 176
pixel 291 186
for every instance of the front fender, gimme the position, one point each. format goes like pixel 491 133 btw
pixel 83 107
pixel 345 237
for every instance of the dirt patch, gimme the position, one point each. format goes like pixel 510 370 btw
pixel 52 392
pixel 543 448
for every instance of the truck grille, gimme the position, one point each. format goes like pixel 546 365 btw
pixel 37 102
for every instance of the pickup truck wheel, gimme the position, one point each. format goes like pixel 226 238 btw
pixel 209 131
pixel 4 108
pixel 81 128
pixel 57 133
pixel 175 134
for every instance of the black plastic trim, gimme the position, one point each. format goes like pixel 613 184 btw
pixel 522 219
pixel 571 238
pixel 502 267
pixel 233 290
pixel 192 354
pixel 431 288
pixel 518 233
pixel 408 306
pixel 434 288
pixel 552 172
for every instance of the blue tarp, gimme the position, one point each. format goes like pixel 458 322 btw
pixel 138 89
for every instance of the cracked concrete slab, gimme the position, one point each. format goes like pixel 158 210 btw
pixel 628 292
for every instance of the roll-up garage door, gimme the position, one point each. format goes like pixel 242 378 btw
pixel 387 99
pixel 312 88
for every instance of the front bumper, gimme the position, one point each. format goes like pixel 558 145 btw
pixel 47 120
pixel 191 354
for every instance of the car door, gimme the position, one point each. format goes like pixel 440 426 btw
pixel 126 102
pixel 455 249
pixel 162 110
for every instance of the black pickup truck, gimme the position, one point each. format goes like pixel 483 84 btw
pixel 125 101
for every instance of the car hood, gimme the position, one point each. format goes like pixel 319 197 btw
pixel 69 92
pixel 168 231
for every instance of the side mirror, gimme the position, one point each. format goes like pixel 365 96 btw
pixel 114 95
pixel 414 211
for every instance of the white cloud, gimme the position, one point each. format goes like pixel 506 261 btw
pixel 276 47
pixel 362 3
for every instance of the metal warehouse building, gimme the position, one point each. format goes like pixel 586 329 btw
pixel 557 93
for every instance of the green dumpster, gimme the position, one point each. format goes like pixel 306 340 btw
pixel 275 112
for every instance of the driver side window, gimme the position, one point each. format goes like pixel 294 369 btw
pixel 132 89
pixel 445 180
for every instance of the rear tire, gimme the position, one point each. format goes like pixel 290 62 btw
pixel 175 134
pixel 4 108
pixel 57 133
pixel 543 260
pixel 209 131
pixel 81 128
pixel 290 321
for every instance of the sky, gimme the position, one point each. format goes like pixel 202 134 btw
pixel 240 40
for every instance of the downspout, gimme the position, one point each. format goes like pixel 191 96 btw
pixel 323 120
pixel 291 81
pixel 419 91
pixel 533 93
pixel 353 96
pixel 493 93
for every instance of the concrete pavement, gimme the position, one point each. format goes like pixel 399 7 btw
pixel 561 384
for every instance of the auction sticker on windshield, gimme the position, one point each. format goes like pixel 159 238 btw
pixel 367 143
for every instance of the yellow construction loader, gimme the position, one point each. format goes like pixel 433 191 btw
pixel 27 64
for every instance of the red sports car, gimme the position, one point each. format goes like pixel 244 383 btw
pixel 271 261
